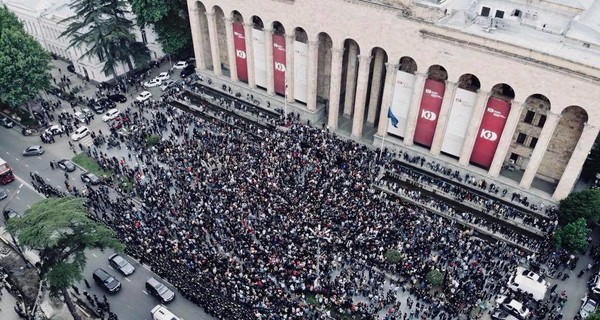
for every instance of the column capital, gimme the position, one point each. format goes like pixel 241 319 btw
pixel 337 50
pixel 265 30
pixel 554 114
pixel 391 66
pixel 363 58
pixel 450 83
pixel 291 36
pixel 249 24
pixel 313 43
pixel 483 93
pixel 589 126
pixel 210 14
pixel 420 74
pixel 227 19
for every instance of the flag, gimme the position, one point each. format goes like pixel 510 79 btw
pixel 392 117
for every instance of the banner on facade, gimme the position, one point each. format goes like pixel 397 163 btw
pixel 431 103
pixel 459 118
pixel 403 89
pixel 279 63
pixel 260 58
pixel 490 131
pixel 239 43
pixel 300 71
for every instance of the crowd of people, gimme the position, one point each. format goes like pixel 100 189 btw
pixel 252 223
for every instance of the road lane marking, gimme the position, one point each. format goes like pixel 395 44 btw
pixel 28 206
pixel 29 186
pixel 21 186
pixel 144 291
pixel 128 306
pixel 48 179
pixel 94 255
pixel 27 165
pixel 17 198
pixel 111 267
pixel 127 279
pixel 58 186
pixel 7 152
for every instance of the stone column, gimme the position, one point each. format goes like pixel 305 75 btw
pixel 289 66
pixel 442 124
pixel 197 39
pixel 540 148
pixel 350 78
pixel 474 123
pixel 361 95
pixel 231 50
pixel 375 86
pixel 214 43
pixel 313 63
pixel 386 99
pixel 516 108
pixel 269 63
pixel 337 56
pixel 248 28
pixel 573 169
pixel 413 111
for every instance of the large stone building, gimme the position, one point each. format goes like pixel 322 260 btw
pixel 484 84
pixel 42 20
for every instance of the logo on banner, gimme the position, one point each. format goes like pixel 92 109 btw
pixel 239 35
pixel 459 100
pixel 240 54
pixel 433 94
pixel 488 135
pixel 495 113
pixel 278 47
pixel 279 66
pixel 428 115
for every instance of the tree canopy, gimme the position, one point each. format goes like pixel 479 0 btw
pixel 573 236
pixel 594 315
pixel 170 21
pixel 583 204
pixel 24 63
pixel 61 231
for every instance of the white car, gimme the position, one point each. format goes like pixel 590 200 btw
pixel 153 83
pixel 55 130
pixel 144 95
pixel 587 307
pixel 515 307
pixel 111 114
pixel 163 76
pixel 180 65
pixel 167 84
pixel 80 133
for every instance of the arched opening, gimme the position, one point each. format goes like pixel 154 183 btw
pixel 431 105
pixel 324 69
pixel 222 40
pixel 236 17
pixel 503 91
pixel 239 44
pixel 437 73
pixel 375 89
pixel 408 65
pixel 279 58
pixel 349 76
pixel 300 67
pixel 403 91
pixel 204 35
pixel 259 52
pixel 469 82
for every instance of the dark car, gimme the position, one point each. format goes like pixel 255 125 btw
pixel 66 165
pixel 98 108
pixel 71 68
pixel 119 263
pixel 187 71
pixel 6 122
pixel 106 281
pixel 33 151
pixel 9 214
pixel 159 290
pixel 88 177
pixel 118 98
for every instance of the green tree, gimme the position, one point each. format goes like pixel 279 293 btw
pixel 61 231
pixel 170 22
pixel 393 256
pixel 101 28
pixel 435 278
pixel 24 63
pixel 573 236
pixel 594 315
pixel 583 204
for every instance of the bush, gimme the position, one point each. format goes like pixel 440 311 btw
pixel 584 204
pixel 573 236
pixel 393 256
pixel 152 140
pixel 435 278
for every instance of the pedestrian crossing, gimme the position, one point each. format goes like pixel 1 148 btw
pixel 87 141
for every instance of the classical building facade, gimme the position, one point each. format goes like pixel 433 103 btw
pixel 485 83
pixel 42 20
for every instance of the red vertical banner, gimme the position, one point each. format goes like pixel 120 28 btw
pixel 490 130
pixel 279 63
pixel 239 42
pixel 431 103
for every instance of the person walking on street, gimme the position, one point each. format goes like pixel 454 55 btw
pixel 87 284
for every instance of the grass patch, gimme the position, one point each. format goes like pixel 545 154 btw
pixel 90 164
pixel 311 299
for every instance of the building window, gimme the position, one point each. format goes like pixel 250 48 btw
pixel 533 142
pixel 516 13
pixel 485 11
pixel 521 138
pixel 144 39
pixel 499 14
pixel 529 117
pixel 542 121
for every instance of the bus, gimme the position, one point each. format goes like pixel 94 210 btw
pixel 6 174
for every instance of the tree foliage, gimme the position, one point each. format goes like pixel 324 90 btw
pixel 61 231
pixel 101 28
pixel 594 315
pixel 435 278
pixel 583 204
pixel 573 236
pixel 170 21
pixel 393 256
pixel 24 63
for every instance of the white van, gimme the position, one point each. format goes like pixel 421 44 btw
pixel 529 282
pixel 161 312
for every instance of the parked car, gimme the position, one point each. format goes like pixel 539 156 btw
pixel 159 290
pixel 111 114
pixel 66 165
pixel 117 98
pixel 180 65
pixel 144 95
pixel 9 214
pixel 33 151
pixel 80 133
pixel 80 116
pixel 55 129
pixel 514 307
pixel 106 281
pixel 88 177
pixel 6 122
pixel 163 76
pixel 190 69
pixel 71 68
pixel 152 83
pixel 503 315
pixel 98 108
pixel 3 194
pixel 167 84
pixel 106 102
pixel 120 264
pixel 588 306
